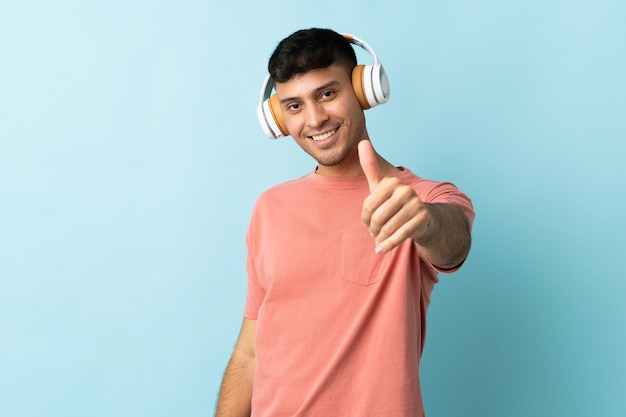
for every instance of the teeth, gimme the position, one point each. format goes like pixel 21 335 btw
pixel 324 136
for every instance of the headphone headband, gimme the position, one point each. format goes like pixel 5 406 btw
pixel 370 84
pixel 361 44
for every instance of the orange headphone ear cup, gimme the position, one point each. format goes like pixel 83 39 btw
pixel 269 112
pixel 358 85
pixel 277 114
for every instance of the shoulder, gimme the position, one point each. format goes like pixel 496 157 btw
pixel 283 193
pixel 426 188
pixel 431 191
pixel 286 187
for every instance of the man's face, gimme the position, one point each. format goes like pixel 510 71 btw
pixel 324 117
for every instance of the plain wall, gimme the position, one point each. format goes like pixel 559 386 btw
pixel 130 158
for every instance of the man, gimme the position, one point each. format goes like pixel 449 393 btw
pixel 342 261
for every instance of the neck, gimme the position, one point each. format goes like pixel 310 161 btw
pixel 351 167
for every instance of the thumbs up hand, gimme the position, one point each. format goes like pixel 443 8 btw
pixel 393 211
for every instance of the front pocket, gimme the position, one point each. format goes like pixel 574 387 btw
pixel 359 263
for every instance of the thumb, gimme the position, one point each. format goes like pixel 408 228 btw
pixel 367 158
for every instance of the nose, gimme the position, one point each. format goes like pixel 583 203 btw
pixel 316 115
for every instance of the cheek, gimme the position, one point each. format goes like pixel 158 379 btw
pixel 350 109
pixel 292 124
pixel 357 117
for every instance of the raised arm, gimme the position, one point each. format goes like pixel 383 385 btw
pixel 394 212
pixel 236 391
pixel 445 239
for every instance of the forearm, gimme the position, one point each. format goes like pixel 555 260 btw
pixel 446 240
pixel 236 391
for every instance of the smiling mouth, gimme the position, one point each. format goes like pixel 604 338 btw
pixel 323 136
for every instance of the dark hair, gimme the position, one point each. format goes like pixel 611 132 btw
pixel 310 49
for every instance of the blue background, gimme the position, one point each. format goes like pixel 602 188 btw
pixel 130 158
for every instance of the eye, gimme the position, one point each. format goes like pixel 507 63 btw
pixel 326 95
pixel 293 107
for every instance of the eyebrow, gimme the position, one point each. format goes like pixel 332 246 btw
pixel 317 90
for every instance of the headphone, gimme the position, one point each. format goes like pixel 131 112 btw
pixel 369 82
